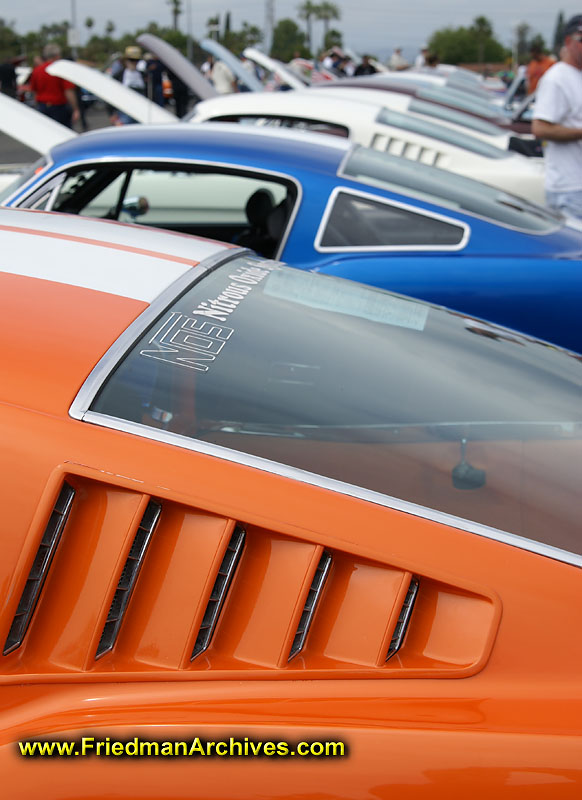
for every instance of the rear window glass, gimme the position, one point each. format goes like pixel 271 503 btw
pixel 376 390
pixel 445 188
pixel 441 133
pixel 358 221
pixel 461 100
pixel 456 117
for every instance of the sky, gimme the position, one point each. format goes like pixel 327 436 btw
pixel 375 26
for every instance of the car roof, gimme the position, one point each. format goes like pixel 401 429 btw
pixel 228 143
pixel 70 286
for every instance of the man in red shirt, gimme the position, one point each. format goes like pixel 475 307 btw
pixel 54 97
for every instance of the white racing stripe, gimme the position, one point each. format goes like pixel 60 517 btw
pixel 113 258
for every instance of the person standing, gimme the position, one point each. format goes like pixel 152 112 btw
pixel 397 61
pixel 131 76
pixel 540 63
pixel 420 59
pixel 8 78
pixel 54 97
pixel 558 120
pixel 365 68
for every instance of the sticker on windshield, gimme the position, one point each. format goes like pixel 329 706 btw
pixel 195 341
pixel 346 298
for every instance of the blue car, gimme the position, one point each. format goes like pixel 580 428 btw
pixel 323 204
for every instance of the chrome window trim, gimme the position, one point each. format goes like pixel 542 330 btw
pixel 105 366
pixel 188 162
pixel 412 193
pixel 388 248
pixel 331 484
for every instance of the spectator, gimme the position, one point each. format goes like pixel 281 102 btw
pixel 420 59
pixel 8 78
pixel 397 61
pixel 558 120
pixel 365 68
pixel 129 75
pixel 54 97
pixel 540 62
pixel 223 79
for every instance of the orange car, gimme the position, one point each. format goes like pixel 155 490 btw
pixel 268 534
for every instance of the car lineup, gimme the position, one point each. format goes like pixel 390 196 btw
pixel 321 203
pixel 265 505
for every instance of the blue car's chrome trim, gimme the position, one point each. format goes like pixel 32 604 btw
pixel 374 248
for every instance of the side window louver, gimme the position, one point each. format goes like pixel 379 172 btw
pixel 403 618
pixel 40 568
pixel 219 591
pixel 128 578
pixel 310 604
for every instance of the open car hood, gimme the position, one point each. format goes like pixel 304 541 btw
pixel 179 65
pixel 111 91
pixel 30 127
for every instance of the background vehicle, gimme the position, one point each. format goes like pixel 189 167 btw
pixel 373 125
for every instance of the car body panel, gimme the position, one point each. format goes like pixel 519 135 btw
pixel 472 702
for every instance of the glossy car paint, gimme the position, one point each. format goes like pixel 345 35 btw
pixel 526 281
pixel 484 700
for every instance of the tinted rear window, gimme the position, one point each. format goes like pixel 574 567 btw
pixel 369 388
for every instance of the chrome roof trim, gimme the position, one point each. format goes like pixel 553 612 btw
pixel 422 212
pixel 293 473
pixel 131 334
pixel 63 168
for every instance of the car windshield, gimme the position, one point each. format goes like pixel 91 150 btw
pixel 456 117
pixel 441 133
pixel 445 188
pixel 375 390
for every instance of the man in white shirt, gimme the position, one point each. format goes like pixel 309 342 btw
pixel 420 59
pixel 558 120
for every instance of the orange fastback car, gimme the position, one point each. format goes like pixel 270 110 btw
pixel 267 534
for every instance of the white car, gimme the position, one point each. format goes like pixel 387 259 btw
pixel 376 126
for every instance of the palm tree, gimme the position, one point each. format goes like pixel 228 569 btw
pixel 306 11
pixel 326 12
pixel 176 8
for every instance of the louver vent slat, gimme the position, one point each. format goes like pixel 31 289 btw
pixel 40 568
pixel 403 619
pixel 310 604
pixel 128 578
pixel 219 591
